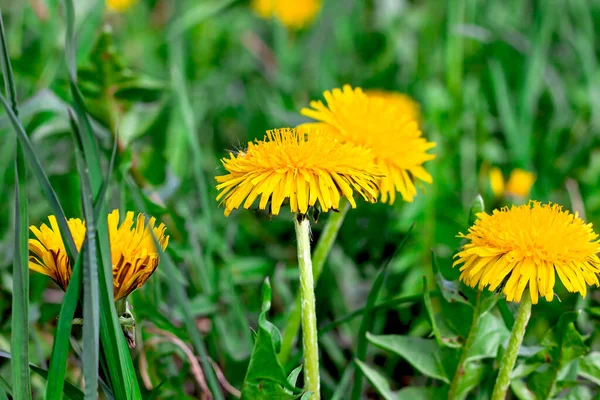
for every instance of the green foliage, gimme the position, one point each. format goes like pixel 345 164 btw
pixel 265 377
pixel 165 89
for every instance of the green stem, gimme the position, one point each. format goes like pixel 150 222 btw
pixel 309 316
pixel 514 343
pixel 460 369
pixel 330 232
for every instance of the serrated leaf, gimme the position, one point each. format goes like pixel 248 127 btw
pixel 265 377
pixel 562 345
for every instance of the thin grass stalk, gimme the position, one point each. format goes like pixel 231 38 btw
pixel 20 299
pixel 326 241
pixel 309 316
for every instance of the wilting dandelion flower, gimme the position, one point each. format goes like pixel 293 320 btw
pixel 134 255
pixel 384 126
pixel 295 14
pixel 301 166
pixel 524 246
pixel 519 183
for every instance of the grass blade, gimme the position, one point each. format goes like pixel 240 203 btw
pixel 361 345
pixel 91 304
pixel 60 351
pixel 20 299
pixel 71 391
pixel 9 80
pixel 115 350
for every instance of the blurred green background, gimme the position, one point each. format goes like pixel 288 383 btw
pixel 508 84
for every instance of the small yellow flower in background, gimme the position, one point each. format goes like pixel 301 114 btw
pixel 134 255
pixel 301 165
pixel 497 182
pixel 403 101
pixel 295 14
pixel 519 183
pixel 119 5
pixel 523 246
pixel 384 126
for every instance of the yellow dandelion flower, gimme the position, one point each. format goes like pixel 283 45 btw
pixel 524 246
pixel 119 5
pixel 295 14
pixel 403 101
pixel 134 255
pixel 497 182
pixel 386 128
pixel 301 165
pixel 520 182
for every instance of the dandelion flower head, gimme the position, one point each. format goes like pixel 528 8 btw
pixel 295 14
pixel 119 5
pixel 384 126
pixel 524 246
pixel 134 255
pixel 519 183
pixel 303 166
pixel 400 100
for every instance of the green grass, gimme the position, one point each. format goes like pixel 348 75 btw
pixel 134 110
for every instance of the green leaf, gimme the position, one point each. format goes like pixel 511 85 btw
pixel 20 297
pixel 443 335
pixel 491 334
pixel 423 354
pixel 365 323
pixel 562 345
pixel 265 377
pixel 378 381
pixel 474 374
pixel 589 367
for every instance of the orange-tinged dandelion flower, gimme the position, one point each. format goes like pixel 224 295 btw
pixel 134 255
pixel 387 129
pixel 300 165
pixel 295 14
pixel 524 246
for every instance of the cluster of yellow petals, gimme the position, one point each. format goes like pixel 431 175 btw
pixel 295 14
pixel 524 246
pixel 134 255
pixel 119 5
pixel 300 165
pixel 389 128
pixel 519 183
